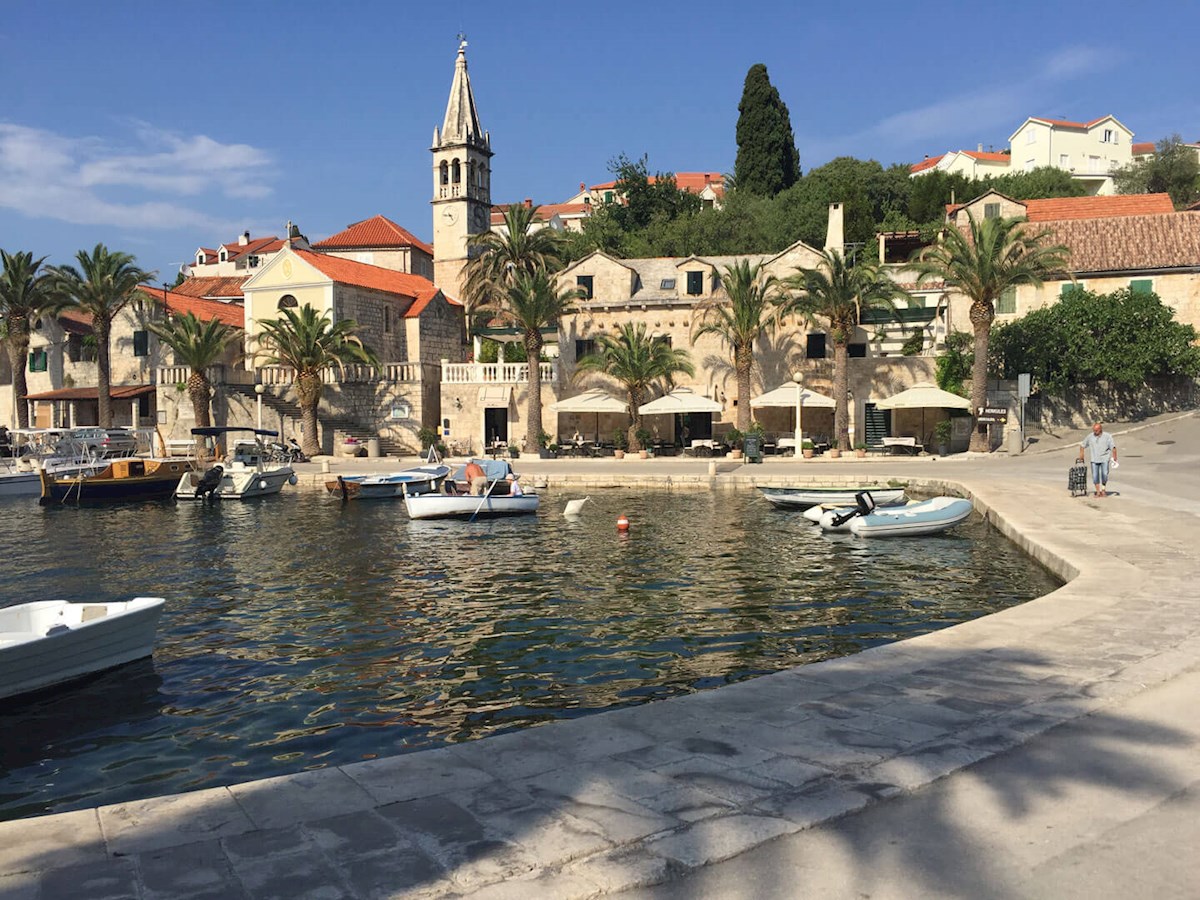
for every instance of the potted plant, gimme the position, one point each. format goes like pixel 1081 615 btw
pixel 807 449
pixel 643 439
pixel 544 450
pixel 942 432
pixel 860 449
pixel 735 439
pixel 427 437
pixel 514 452
pixel 351 446
pixel 620 442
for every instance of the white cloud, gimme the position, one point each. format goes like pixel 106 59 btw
pixel 87 181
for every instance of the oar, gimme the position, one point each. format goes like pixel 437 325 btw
pixel 486 494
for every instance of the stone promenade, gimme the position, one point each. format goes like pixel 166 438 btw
pixel 1047 750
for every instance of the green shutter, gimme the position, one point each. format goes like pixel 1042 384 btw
pixel 1142 286
pixel 141 343
pixel 1007 302
pixel 1070 288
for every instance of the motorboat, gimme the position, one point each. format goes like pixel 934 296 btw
pixel 417 480
pixel 806 497
pixel 247 472
pixel 920 518
pixel 53 449
pixel 119 480
pixel 503 496
pixel 49 642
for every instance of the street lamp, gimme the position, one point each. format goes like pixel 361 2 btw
pixel 796 377
pixel 258 391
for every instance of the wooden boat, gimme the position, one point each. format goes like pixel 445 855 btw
pixel 247 473
pixel 456 502
pixel 48 642
pixel 52 449
pixel 120 479
pixel 805 497
pixel 418 480
pixel 928 517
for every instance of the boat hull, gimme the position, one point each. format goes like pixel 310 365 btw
pixel 98 636
pixel 803 498
pixel 930 517
pixel 420 480
pixel 464 506
pixel 20 484
pixel 239 485
pixel 120 480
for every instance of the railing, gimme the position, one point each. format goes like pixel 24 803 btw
pixel 502 373
pixel 283 375
pixel 180 374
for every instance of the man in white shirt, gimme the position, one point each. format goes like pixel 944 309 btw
pixel 1102 450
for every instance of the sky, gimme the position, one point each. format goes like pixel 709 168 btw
pixel 159 127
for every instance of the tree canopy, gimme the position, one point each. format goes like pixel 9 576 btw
pixel 1173 169
pixel 767 160
pixel 1124 338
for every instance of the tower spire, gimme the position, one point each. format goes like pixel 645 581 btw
pixel 461 124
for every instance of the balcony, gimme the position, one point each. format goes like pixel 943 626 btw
pixel 282 375
pixel 495 373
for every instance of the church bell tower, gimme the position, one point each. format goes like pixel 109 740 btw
pixel 462 181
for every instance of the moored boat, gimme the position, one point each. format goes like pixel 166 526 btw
pixel 52 449
pixel 502 497
pixel 927 517
pixel 417 480
pixel 120 479
pixel 49 642
pixel 248 472
pixel 805 497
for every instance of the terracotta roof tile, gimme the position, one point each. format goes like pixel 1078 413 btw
pixel 1142 148
pixel 347 271
pixel 377 231
pixel 1059 208
pixel 986 155
pixel 212 287
pixel 693 182
pixel 116 391
pixel 1130 243
pixel 927 163
pixel 205 310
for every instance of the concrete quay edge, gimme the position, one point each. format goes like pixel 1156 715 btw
pixel 638 796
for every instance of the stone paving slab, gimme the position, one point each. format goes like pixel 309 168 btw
pixel 637 796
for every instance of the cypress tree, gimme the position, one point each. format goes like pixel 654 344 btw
pixel 767 161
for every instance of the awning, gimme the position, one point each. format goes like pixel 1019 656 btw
pixel 924 396
pixel 495 395
pixel 785 396
pixel 116 392
pixel 680 400
pixel 594 401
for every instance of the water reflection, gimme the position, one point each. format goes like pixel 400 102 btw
pixel 301 632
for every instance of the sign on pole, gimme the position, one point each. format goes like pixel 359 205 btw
pixel 1023 386
pixel 996 415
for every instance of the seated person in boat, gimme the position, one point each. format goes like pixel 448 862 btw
pixel 514 486
pixel 475 477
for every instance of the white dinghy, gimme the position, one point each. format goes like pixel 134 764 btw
pixel 48 642
pixel 925 517
pixel 806 497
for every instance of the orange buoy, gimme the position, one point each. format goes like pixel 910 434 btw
pixel 622 523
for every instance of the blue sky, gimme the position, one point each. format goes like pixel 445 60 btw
pixel 158 127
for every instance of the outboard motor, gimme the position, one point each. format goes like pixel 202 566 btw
pixel 864 504
pixel 207 487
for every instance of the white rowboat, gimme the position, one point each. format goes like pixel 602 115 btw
pixel 48 642
pixel 464 506
pixel 803 498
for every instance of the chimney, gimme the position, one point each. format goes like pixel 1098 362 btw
pixel 835 237
pixel 582 186
pixel 244 239
pixel 528 203
pixel 979 147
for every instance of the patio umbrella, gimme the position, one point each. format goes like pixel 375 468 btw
pixel 923 396
pixel 592 401
pixel 792 395
pixel 680 400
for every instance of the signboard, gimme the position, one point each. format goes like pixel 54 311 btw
pixel 996 415
pixel 1023 386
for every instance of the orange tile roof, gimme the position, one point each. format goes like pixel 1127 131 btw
pixel 75 321
pixel 927 163
pixel 545 211
pixel 116 392
pixel 692 182
pixel 986 155
pixel 1142 148
pixel 1130 243
pixel 212 287
pixel 255 245
pixel 347 271
pixel 205 310
pixel 377 231
pixel 1060 208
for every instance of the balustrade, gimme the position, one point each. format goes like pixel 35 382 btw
pixel 488 373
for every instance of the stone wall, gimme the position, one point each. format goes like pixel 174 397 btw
pixel 1081 406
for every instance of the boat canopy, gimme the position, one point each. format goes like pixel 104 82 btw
pixel 217 432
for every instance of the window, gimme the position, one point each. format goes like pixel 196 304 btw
pixel 991 210
pixel 1007 302
pixel 287 301
pixel 74 347
pixel 1031 136
pixel 144 406
pixel 1070 288
pixel 816 346
pixel 37 360
pixel 387 319
pixel 584 283
pixel 1064 160
pixel 695 283
pixel 584 348
pixel 667 284
pixel 608 196
pixel 661 339
pixel 1142 286
pixel 223 256
pixel 1030 164
pixel 1094 165
pixel 1110 136
pixel 456 171
pixel 141 343
pixel 253 262
pixel 856 351
pixel 444 169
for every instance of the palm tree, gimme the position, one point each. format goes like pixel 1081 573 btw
pixel 104 284
pixel 498 257
pixel 531 302
pixel 746 313
pixel 26 294
pixel 840 294
pixel 197 345
pixel 310 344
pixel 639 363
pixel 982 262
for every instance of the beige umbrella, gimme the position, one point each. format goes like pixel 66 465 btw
pixel 793 395
pixel 592 401
pixel 680 400
pixel 923 396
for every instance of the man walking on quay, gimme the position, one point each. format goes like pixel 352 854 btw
pixel 1102 449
